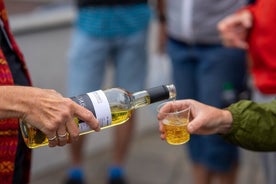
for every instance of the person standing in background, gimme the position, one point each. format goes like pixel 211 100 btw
pixel 252 28
pixel 202 69
pixel 116 31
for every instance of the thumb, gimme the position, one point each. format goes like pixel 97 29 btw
pixel 195 125
pixel 246 19
pixel 191 128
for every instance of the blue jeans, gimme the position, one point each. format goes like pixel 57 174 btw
pixel 200 72
pixel 88 58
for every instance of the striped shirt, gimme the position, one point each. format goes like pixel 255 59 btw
pixel 112 21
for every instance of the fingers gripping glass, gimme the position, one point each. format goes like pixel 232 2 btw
pixel 175 119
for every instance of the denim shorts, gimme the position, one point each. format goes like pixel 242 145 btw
pixel 89 57
pixel 200 72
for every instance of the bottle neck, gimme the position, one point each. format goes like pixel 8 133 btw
pixel 153 95
pixel 140 99
pixel 163 92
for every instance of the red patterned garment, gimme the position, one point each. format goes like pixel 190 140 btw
pixel 9 127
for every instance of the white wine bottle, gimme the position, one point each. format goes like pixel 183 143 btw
pixel 111 107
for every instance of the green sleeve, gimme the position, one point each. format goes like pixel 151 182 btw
pixel 254 125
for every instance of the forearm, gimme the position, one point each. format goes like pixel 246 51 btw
pixel 17 101
pixel 254 125
pixel 160 11
pixel 11 101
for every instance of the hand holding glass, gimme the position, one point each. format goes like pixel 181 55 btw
pixel 174 119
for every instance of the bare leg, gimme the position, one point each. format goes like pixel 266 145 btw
pixel 227 177
pixel 201 174
pixel 76 152
pixel 121 143
pixel 75 171
pixel 122 139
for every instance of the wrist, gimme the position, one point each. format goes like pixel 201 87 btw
pixel 226 122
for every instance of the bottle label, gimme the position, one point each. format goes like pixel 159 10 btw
pixel 97 103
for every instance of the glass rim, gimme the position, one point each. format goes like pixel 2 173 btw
pixel 188 108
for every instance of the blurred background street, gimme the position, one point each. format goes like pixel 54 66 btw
pixel 42 29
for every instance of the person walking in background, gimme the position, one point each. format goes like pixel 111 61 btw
pixel 252 28
pixel 116 31
pixel 202 70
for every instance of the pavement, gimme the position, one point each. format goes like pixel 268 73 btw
pixel 29 16
pixel 150 160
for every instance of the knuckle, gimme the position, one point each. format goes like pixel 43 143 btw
pixel 50 126
pixel 64 115
pixel 74 134
pixel 52 91
pixel 68 101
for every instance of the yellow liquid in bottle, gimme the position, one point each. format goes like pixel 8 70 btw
pixel 34 138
